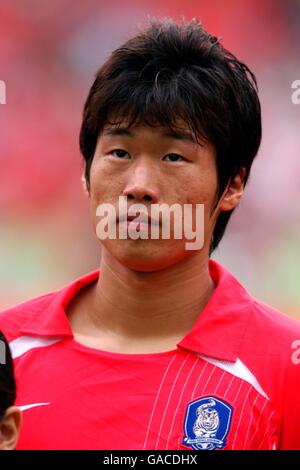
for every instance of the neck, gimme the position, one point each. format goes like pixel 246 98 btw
pixel 149 305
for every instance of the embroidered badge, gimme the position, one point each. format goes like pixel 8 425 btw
pixel 207 423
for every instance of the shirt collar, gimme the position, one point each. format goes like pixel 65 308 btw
pixel 48 313
pixel 217 332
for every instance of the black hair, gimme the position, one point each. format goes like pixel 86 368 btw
pixel 7 379
pixel 177 70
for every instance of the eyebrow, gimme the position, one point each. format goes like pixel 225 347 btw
pixel 170 134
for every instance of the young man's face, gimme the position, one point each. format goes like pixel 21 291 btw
pixel 149 165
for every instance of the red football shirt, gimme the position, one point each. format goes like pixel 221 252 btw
pixel 233 381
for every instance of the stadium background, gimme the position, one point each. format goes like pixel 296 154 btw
pixel 49 52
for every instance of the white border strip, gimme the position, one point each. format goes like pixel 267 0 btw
pixel 23 344
pixel 238 369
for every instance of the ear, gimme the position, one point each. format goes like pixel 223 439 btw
pixel 9 428
pixel 84 183
pixel 233 192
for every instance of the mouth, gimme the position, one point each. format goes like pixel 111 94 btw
pixel 139 218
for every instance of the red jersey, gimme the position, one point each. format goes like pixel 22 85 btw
pixel 232 382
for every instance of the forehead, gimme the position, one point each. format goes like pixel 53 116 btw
pixel 180 132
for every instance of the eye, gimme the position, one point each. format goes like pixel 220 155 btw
pixel 173 157
pixel 120 153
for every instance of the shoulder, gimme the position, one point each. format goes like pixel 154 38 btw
pixel 13 319
pixel 44 315
pixel 276 351
pixel 272 328
pixel 271 348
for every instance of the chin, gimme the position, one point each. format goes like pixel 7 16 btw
pixel 146 255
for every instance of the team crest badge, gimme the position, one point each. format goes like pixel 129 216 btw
pixel 207 423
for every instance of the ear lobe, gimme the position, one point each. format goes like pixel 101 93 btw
pixel 9 428
pixel 234 192
pixel 84 184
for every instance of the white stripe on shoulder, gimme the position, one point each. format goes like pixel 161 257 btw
pixel 23 344
pixel 238 369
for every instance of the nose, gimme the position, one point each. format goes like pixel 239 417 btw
pixel 142 185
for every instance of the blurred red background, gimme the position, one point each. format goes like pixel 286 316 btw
pixel 49 52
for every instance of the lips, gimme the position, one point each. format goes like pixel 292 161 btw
pixel 141 216
pixel 131 217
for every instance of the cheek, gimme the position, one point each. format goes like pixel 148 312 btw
pixel 104 186
pixel 102 189
pixel 202 190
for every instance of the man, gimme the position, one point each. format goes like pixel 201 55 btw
pixel 10 416
pixel 163 348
